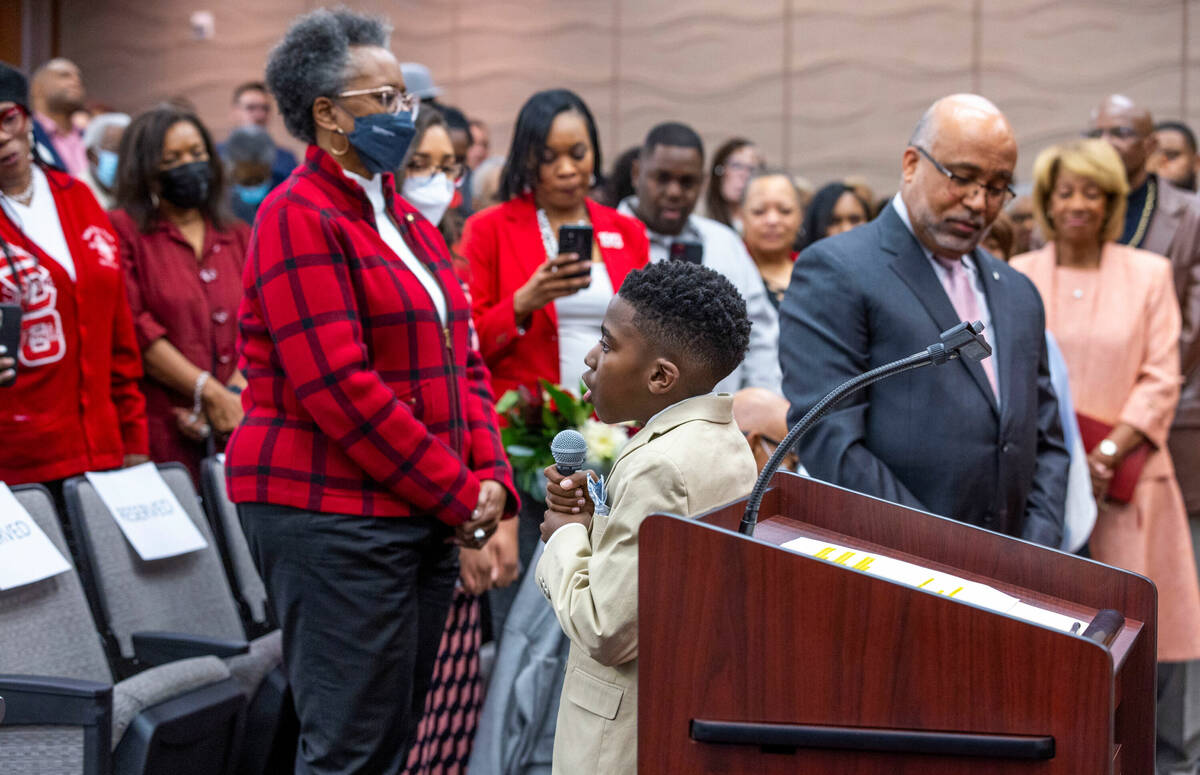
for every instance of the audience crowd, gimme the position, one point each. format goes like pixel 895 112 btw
pixel 162 273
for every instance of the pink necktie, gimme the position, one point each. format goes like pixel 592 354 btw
pixel 957 282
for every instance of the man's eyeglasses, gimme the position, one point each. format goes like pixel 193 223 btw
pixel 1119 132
pixel 391 99
pixel 966 187
pixel 12 119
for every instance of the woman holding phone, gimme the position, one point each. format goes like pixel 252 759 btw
pixel 538 305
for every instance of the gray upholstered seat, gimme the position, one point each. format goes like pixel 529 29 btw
pixel 187 595
pixel 46 629
pixel 222 513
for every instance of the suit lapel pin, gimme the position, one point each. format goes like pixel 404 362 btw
pixel 995 275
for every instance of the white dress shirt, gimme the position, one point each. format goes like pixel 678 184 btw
pixel 373 187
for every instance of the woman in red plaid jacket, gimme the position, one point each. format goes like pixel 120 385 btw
pixel 370 445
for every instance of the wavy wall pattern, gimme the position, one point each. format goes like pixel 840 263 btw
pixel 826 89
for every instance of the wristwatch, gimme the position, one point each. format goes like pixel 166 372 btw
pixel 1108 448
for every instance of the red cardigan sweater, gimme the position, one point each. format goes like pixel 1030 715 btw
pixel 360 401
pixel 504 247
pixel 75 406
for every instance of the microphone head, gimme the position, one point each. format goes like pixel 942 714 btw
pixel 569 451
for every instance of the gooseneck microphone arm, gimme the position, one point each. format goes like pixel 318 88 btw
pixel 964 340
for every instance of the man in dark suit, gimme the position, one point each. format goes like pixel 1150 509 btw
pixel 978 442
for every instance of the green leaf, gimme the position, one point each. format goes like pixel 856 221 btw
pixel 568 405
pixel 507 401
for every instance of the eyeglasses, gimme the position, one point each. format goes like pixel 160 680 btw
pixel 391 99
pixel 12 120
pixel 966 187
pixel 736 166
pixel 422 167
pixel 1119 132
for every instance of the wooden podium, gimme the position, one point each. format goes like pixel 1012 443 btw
pixel 757 659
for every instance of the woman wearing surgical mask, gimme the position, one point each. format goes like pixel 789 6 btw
pixel 183 258
pixel 102 138
pixel 370 450
pixel 431 175
pixel 428 181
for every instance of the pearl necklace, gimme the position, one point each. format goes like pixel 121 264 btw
pixel 26 196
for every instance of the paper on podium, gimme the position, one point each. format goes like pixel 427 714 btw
pixel 934 582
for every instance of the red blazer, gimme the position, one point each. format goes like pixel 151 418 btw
pixel 360 401
pixel 504 247
pixel 75 406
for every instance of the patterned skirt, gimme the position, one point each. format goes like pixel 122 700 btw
pixel 444 736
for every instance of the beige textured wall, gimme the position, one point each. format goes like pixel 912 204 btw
pixel 826 88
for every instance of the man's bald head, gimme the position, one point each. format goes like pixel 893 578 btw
pixel 57 87
pixel 968 136
pixel 959 112
pixel 1128 128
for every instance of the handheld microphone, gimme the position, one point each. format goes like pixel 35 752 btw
pixel 569 450
pixel 964 340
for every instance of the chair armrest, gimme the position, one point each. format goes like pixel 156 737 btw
pixel 37 699
pixel 159 648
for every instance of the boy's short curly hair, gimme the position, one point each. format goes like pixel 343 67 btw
pixel 311 62
pixel 691 311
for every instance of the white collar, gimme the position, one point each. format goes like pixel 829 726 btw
pixel 372 187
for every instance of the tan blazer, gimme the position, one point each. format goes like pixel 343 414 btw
pixel 689 459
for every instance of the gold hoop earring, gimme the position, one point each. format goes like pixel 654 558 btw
pixel 338 132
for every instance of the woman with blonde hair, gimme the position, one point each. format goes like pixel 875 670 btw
pixel 1113 311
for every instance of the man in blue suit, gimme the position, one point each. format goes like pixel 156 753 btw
pixel 978 442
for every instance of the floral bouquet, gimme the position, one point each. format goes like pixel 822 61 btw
pixel 531 423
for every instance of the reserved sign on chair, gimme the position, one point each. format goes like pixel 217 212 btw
pixel 26 553
pixel 147 512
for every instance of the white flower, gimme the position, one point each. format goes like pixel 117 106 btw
pixel 604 442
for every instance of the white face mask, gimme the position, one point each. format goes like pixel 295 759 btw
pixel 430 195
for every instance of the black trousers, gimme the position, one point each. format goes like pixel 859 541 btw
pixel 362 602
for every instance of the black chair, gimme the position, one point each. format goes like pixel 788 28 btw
pixel 63 714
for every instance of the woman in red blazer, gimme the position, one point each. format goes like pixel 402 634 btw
pixel 370 440
pixel 535 319
pixel 69 400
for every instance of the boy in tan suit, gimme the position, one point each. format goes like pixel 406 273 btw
pixel 673 331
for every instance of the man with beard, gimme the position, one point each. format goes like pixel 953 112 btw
pixel 668 174
pixel 1164 219
pixel 1176 158
pixel 980 442
pixel 57 92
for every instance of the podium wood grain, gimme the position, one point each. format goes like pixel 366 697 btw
pixel 738 629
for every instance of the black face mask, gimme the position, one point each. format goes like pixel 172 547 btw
pixel 186 186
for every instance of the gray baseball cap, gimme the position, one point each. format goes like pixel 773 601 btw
pixel 418 81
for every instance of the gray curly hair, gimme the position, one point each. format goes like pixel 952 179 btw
pixel 312 59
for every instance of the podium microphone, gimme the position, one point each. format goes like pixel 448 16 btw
pixel 964 340
pixel 569 451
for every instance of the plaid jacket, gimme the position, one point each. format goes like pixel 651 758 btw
pixel 359 400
